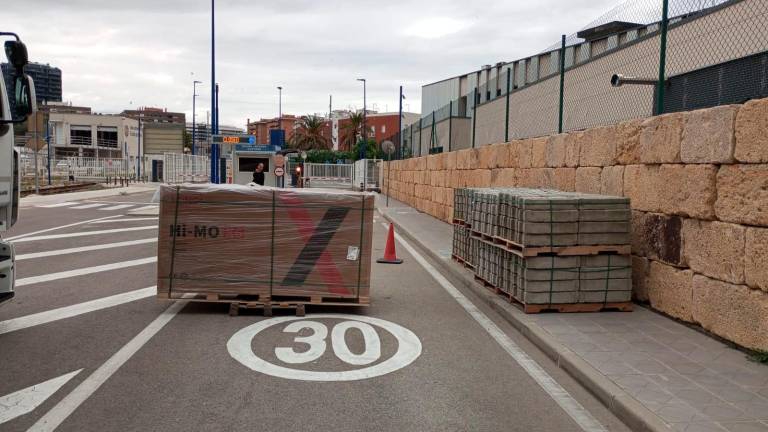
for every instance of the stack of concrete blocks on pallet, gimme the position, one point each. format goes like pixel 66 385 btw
pixel 548 247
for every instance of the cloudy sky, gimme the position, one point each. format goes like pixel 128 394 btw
pixel 145 52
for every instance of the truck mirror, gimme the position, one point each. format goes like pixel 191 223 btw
pixel 16 52
pixel 25 96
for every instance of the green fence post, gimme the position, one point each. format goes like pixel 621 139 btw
pixel 506 117
pixel 562 84
pixel 662 58
pixel 412 148
pixel 474 115
pixel 432 132
pixel 450 124
pixel 420 136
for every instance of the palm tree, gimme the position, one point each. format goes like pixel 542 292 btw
pixel 353 129
pixel 309 134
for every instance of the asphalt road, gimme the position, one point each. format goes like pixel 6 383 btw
pixel 424 360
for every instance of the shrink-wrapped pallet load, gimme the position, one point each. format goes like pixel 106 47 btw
pixel 232 240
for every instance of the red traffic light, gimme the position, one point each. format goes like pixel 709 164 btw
pixel 298 169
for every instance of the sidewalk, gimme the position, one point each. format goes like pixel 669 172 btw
pixel 650 371
pixel 100 193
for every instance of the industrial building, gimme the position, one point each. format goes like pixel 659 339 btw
pixel 708 44
pixel 93 135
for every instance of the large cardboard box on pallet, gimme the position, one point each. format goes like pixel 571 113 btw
pixel 228 240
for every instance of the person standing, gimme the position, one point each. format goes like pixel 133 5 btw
pixel 258 174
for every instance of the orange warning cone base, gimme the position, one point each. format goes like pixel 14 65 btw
pixel 390 257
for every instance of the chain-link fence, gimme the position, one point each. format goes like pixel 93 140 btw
pixel 642 58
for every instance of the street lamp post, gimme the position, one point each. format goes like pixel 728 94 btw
pixel 365 132
pixel 279 107
pixel 213 92
pixel 194 96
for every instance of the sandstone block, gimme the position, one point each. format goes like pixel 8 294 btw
pixel 556 151
pixel 752 132
pixel 670 290
pixel 640 267
pixel 688 190
pixel 524 153
pixel 504 177
pixel 715 249
pixel 564 179
pixel 431 162
pixel 708 135
pixel 588 179
pixel 535 178
pixel 450 160
pixel 597 147
pixel 660 138
pixel 742 194
pixel 539 152
pixel 421 163
pixel 572 150
pixel 734 312
pixel 756 254
pixel 485 157
pixel 480 178
pixel 612 181
pixel 658 237
pixel 628 142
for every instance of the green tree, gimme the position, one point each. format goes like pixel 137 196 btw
pixel 352 131
pixel 309 134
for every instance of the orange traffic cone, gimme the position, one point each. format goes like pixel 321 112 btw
pixel 390 257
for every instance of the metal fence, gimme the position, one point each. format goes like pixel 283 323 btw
pixel 173 168
pixel 184 168
pixel 366 174
pixel 682 54
pixel 328 175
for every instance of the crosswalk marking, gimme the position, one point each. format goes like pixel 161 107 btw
pixel 149 207
pixel 84 249
pixel 133 219
pixel 60 227
pixel 61 204
pixel 87 206
pixel 84 233
pixel 117 207
pixel 83 271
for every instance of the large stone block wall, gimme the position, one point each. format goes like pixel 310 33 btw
pixel 698 182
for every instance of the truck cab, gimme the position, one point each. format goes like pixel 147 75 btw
pixel 23 95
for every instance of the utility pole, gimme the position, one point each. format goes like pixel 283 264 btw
pixel 194 96
pixel 400 126
pixel 213 91
pixel 364 145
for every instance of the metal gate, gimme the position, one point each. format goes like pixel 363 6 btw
pixel 328 175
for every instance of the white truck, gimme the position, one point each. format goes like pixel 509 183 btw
pixel 23 93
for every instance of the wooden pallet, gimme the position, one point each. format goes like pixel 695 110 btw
pixel 485 283
pixel 482 236
pixel 530 251
pixel 462 261
pixel 577 307
pixel 267 303
pixel 461 222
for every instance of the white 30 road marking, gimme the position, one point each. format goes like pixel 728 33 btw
pixel 53 418
pixel 571 406
pixel 84 249
pixel 408 349
pixel 20 236
pixel 26 400
pixel 83 271
pixel 27 321
pixel 83 233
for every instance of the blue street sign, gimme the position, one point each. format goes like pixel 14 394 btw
pixel 257 148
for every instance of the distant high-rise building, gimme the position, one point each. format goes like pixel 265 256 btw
pixel 47 81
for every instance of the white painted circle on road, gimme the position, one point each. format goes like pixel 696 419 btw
pixel 408 349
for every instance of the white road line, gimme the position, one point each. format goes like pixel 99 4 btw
pixel 84 249
pixel 60 227
pixel 149 207
pixel 87 206
pixel 570 405
pixel 83 271
pixel 84 233
pixel 26 400
pixel 53 418
pixel 61 204
pixel 133 219
pixel 119 202
pixel 117 207
pixel 27 321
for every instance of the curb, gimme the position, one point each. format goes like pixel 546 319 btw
pixel 627 409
